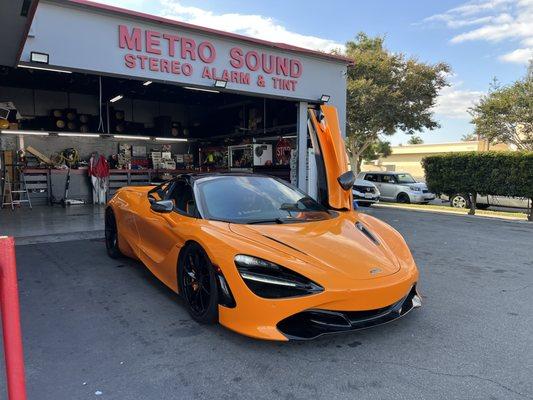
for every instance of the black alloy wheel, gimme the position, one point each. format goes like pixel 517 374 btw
pixel 197 282
pixel 111 235
pixel 403 198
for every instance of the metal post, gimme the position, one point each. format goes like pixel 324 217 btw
pixel 302 145
pixel 9 302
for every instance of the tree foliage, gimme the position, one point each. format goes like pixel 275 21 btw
pixel 387 92
pixel 377 149
pixel 468 137
pixel 415 140
pixel 494 173
pixel 505 114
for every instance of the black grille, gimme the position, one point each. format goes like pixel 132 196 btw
pixel 364 189
pixel 310 324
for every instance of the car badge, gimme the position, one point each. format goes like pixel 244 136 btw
pixel 375 271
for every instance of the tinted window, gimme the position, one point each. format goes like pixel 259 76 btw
pixel 255 199
pixel 388 179
pixel 371 177
pixel 405 178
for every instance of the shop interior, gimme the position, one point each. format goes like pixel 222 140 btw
pixel 53 124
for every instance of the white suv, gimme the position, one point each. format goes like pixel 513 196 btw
pixel 398 186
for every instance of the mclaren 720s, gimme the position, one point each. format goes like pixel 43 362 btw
pixel 261 257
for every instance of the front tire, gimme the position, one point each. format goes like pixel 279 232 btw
pixel 403 198
pixel 459 201
pixel 111 235
pixel 197 284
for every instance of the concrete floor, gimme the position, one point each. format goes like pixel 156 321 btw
pixel 101 328
pixel 52 224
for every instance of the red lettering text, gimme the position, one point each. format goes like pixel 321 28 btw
pixel 131 41
pixel 206 47
pixel 172 39
pixel 252 60
pixel 152 42
pixel 188 46
pixel 237 60
pixel 143 60
pixel 186 69
pixel 165 66
pixel 296 68
pixel 129 60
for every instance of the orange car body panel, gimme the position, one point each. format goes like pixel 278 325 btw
pixel 334 156
pixel 333 253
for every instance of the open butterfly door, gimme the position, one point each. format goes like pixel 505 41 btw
pixel 335 181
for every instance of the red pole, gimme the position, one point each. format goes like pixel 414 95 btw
pixel 9 302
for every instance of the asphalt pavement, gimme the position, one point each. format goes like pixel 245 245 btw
pixel 106 329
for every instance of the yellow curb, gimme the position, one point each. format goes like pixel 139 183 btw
pixel 454 212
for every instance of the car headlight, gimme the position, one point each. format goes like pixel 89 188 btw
pixel 415 188
pixel 272 281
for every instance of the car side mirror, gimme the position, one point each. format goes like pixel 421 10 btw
pixel 346 180
pixel 162 206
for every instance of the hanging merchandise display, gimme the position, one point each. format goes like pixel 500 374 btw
pixel 99 173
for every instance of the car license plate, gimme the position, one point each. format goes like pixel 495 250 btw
pixel 368 195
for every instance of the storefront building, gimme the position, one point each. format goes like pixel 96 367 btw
pixel 155 97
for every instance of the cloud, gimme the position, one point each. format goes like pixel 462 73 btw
pixel 254 25
pixel 453 101
pixel 492 21
pixel 257 26
pixel 519 56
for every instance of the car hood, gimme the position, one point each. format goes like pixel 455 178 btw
pixel 420 185
pixel 335 246
pixel 363 182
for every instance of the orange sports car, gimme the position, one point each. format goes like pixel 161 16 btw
pixel 263 258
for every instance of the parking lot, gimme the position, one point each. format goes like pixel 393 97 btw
pixel 100 328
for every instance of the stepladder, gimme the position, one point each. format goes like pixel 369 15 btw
pixel 15 191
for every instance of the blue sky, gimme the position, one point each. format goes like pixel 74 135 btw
pixel 480 39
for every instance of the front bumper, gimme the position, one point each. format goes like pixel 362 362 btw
pixel 310 324
pixel 418 197
pixel 260 318
pixel 365 197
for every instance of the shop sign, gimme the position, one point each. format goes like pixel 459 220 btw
pixel 166 53
pixel 283 151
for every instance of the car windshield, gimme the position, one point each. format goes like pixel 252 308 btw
pixel 255 200
pixel 405 178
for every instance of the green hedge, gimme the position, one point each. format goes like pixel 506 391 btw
pixel 495 173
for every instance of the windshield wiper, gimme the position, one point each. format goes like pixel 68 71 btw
pixel 266 221
pixel 290 207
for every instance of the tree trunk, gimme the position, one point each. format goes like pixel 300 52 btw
pixel 355 163
pixel 354 154
pixel 473 200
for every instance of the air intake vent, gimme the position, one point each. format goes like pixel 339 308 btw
pixel 366 232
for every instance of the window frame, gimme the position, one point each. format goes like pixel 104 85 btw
pixel 167 195
pixel 393 181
